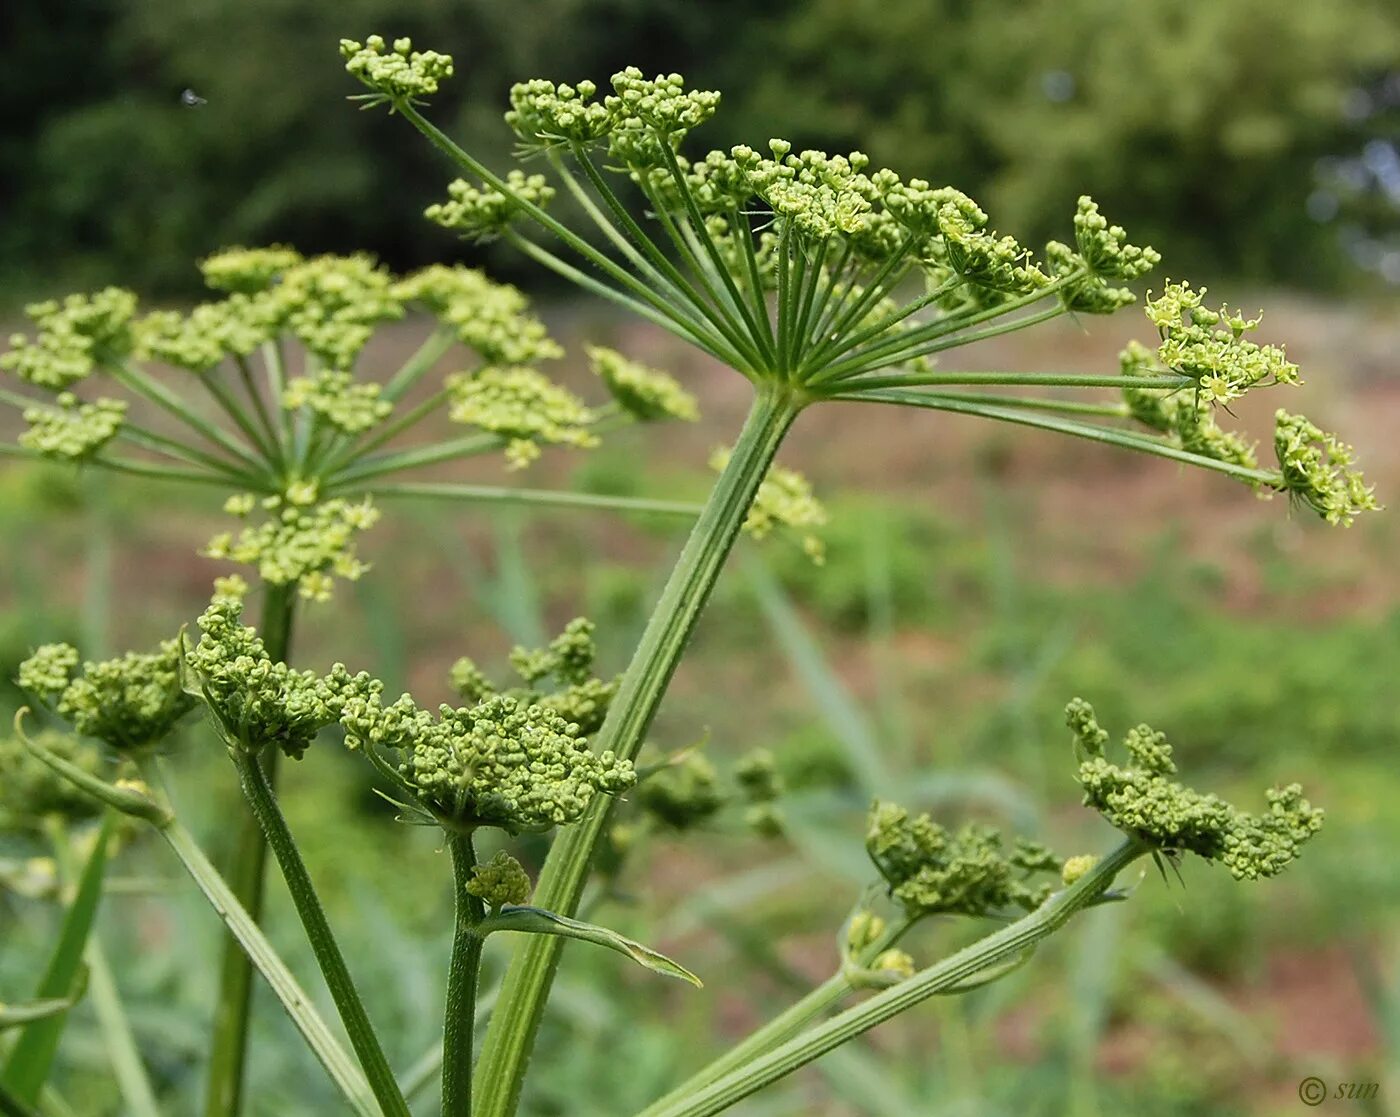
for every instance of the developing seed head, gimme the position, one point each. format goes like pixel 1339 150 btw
pixel 930 870
pixel 523 406
pixel 500 881
pixel 1141 799
pixel 131 703
pixel 74 336
pixel 1318 470
pixel 396 73
pixel 307 546
pixel 257 703
pixel 645 393
pixel 498 763
pixel 71 430
pixel 31 791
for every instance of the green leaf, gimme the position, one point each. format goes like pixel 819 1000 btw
pixel 537 921
pixel 33 1054
pixel 16 1016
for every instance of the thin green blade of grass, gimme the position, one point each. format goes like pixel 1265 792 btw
pixel 32 1057
pixel 821 681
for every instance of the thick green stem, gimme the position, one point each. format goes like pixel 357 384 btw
pixel 228 1052
pixel 533 498
pixel 459 1019
pixel 994 950
pixel 511 1035
pixel 318 932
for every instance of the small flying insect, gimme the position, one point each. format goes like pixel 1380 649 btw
pixel 190 99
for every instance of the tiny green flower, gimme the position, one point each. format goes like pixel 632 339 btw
pixel 75 336
pixel 1076 867
pixel 336 397
pixel 47 671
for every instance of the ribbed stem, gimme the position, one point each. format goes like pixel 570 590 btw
pixel 228 1052
pixel 511 1036
pixel 460 1015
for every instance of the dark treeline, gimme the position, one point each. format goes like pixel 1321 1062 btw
pixel 1200 124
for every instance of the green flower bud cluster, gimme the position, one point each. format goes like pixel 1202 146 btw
pixel 1142 800
pixel 500 881
pixel 688 791
pixel 396 73
pixel 523 406
pixel 1209 345
pixel 336 397
pixel 483 213
pixel 498 763
pixel 296 544
pixel 784 499
pixel 255 702
pixel 647 394
pixel 332 304
pixel 248 271
pixel 1317 469
pixel 74 336
pixel 542 113
pixel 761 785
pixel 71 429
pixel 489 318
pixel 130 703
pixel 31 791
pixel 578 696
pixel 930 871
pixel 210 332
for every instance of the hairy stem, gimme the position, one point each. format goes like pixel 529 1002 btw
pixel 228 1052
pixel 510 1038
pixel 459 1018
pixel 318 932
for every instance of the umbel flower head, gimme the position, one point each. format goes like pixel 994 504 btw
pixel 130 703
pixel 1141 799
pixel 644 393
pixel 70 429
pixel 931 871
pixel 498 763
pixel 257 703
pixel 31 791
pixel 577 695
pixel 500 881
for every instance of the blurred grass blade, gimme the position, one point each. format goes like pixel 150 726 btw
pixel 837 707
pixel 11 1106
pixel 16 1016
pixel 127 1068
pixel 515 599
pixel 32 1057
pixel 537 921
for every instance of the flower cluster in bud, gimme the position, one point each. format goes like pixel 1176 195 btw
pixel 492 319
pixel 483 213
pixel 74 336
pixel 31 791
pixel 1318 470
pixel 523 406
pixel 395 72
pixel 500 881
pixel 687 791
pixel 784 499
pixel 577 696
pixel 1142 800
pixel 336 397
pixel 248 271
pixel 307 546
pixel 70 429
pixel 255 702
pixel 131 702
pixel 761 785
pixel 497 763
pixel 647 394
pixel 199 340
pixel 929 870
